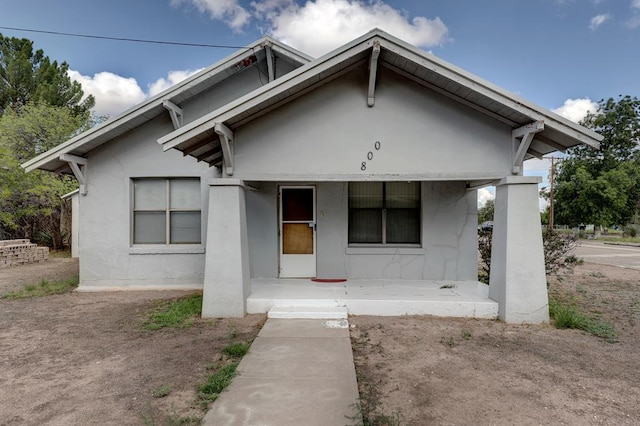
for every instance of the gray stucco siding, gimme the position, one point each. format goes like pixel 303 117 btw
pixel 327 134
pixel 108 257
pixel 448 250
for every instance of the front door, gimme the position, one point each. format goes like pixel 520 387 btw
pixel 297 231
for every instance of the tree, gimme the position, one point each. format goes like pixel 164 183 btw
pixel 602 187
pixel 30 77
pixel 30 203
pixel 485 213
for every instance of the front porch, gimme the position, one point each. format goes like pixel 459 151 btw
pixel 469 299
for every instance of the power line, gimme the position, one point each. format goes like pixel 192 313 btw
pixel 133 40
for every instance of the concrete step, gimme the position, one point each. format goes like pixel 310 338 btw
pixel 308 312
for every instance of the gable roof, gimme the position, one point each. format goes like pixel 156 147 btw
pixel 402 58
pixel 153 107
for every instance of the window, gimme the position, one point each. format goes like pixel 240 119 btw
pixel 166 211
pixel 384 213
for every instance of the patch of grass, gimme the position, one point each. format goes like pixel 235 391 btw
pixel 236 350
pixel 161 392
pixel 149 418
pixel 217 382
pixel 178 313
pixel 45 288
pixel 448 342
pixel 60 254
pixel 570 316
pixel 597 274
pixel 466 335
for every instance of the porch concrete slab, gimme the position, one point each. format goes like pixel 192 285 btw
pixel 308 312
pixel 297 372
pixel 377 297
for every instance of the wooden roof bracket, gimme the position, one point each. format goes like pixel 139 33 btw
pixel 270 62
pixel 521 139
pixel 78 166
pixel 373 71
pixel 175 112
pixel 226 142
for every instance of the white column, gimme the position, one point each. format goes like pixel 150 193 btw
pixel 226 271
pixel 518 281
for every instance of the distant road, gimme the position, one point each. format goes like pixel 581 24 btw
pixel 608 254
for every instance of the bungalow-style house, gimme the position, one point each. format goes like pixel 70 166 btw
pixel 273 179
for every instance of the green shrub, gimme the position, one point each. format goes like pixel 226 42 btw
pixel 558 252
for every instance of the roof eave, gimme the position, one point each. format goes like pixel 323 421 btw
pixel 155 102
pixel 234 109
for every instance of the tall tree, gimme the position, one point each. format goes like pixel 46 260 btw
pixel 602 187
pixel 30 76
pixel 30 204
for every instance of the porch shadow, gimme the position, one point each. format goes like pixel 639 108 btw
pixel 469 299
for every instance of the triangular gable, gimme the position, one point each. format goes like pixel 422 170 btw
pixel 164 102
pixel 546 131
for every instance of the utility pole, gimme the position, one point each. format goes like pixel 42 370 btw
pixel 553 169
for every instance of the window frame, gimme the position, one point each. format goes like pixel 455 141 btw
pixel 383 211
pixel 186 247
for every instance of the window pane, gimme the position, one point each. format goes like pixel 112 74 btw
pixel 365 226
pixel 403 226
pixel 402 195
pixel 185 227
pixel 150 194
pixel 149 228
pixel 297 204
pixel 365 195
pixel 184 193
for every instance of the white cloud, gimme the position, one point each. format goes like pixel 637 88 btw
pixel 576 109
pixel 484 195
pixel 635 4
pixel 227 11
pixel 319 26
pixel 174 77
pixel 598 20
pixel 633 22
pixel 322 25
pixel 114 94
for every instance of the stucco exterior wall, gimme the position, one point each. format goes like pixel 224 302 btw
pixel 107 257
pixel 327 134
pixel 449 236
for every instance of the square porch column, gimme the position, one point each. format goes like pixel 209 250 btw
pixel 226 271
pixel 518 281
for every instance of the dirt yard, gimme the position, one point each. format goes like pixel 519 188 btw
pixel 81 358
pixel 425 370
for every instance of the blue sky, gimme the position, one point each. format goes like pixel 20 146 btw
pixel 561 54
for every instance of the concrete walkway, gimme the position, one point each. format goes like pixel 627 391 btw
pixel 297 372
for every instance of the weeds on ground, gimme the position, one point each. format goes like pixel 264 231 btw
pixel 161 392
pixel 223 374
pixel 367 409
pixel 178 313
pixel 149 418
pixel 45 288
pixel 567 315
pixel 216 383
pixel 236 350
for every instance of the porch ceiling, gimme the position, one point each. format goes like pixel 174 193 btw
pixel 402 58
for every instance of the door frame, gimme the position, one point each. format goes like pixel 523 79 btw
pixel 311 263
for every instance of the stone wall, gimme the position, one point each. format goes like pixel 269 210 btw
pixel 20 252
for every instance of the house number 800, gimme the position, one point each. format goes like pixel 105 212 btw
pixel 376 146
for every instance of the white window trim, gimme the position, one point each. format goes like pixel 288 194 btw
pixel 166 248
